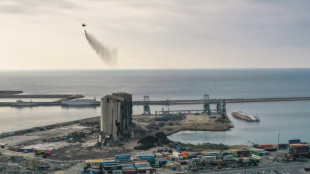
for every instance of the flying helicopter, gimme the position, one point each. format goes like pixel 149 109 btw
pixel 83 25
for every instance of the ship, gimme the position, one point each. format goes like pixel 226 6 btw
pixel 79 102
pixel 246 117
pixel 20 103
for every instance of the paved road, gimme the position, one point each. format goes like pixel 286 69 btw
pixel 292 168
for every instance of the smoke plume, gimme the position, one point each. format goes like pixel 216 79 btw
pixel 107 55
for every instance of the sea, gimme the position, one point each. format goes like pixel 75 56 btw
pixel 283 120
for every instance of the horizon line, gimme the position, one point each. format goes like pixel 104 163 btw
pixel 6 70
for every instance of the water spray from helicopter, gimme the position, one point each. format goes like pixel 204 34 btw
pixel 107 55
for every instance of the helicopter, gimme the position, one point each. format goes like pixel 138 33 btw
pixel 83 25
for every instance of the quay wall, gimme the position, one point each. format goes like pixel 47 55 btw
pixel 46 127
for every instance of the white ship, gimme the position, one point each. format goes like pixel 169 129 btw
pixel 79 102
pixel 245 116
pixel 20 103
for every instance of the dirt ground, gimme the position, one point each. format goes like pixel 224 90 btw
pixel 37 137
pixel 87 147
pixel 200 122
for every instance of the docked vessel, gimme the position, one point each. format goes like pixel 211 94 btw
pixel 20 103
pixel 79 102
pixel 246 117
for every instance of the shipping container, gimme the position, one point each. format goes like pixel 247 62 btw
pixel 228 158
pixel 93 162
pixel 192 155
pixel 122 156
pixel 225 153
pixel 183 162
pixel 300 149
pixel 149 170
pixel 20 132
pixel 124 160
pixel 149 158
pixel 127 166
pixel 142 164
pixel 271 149
pixel 208 158
pixel 107 162
pixel 11 133
pixel 283 146
pixel 194 160
pixel 213 154
pixel 244 153
pixel 93 171
pixel 166 154
pixel 255 160
pixel 184 154
pixel 112 167
pixel 162 163
pixel 232 150
pixel 296 144
pixel 294 141
pixel 173 167
pixel 165 149
pixel 260 153
pixel 129 171
pixel 234 155
pixel 113 172
pixel 266 146
pixel 179 148
pixel 25 150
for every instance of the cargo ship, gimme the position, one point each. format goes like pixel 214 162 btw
pixel 79 102
pixel 20 103
pixel 246 117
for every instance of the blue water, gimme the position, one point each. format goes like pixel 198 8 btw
pixel 290 119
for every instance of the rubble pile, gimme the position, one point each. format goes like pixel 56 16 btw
pixel 148 142
pixel 20 164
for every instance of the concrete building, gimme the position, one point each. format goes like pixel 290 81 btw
pixel 116 115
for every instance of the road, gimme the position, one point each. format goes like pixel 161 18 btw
pixel 292 168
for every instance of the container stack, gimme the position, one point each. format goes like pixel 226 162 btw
pixel 298 148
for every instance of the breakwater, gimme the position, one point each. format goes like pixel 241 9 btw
pixel 181 102
pixel 212 101
pixel 40 96
pixel 46 127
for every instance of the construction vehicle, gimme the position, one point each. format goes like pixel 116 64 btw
pixel 44 153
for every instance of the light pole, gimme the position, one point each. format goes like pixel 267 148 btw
pixel 278 148
pixel 278 140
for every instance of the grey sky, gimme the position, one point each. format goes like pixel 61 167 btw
pixel 47 34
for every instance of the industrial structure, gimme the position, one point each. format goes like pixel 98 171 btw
pixel 146 106
pixel 220 106
pixel 220 109
pixel 116 116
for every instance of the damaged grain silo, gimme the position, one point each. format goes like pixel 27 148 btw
pixel 116 116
